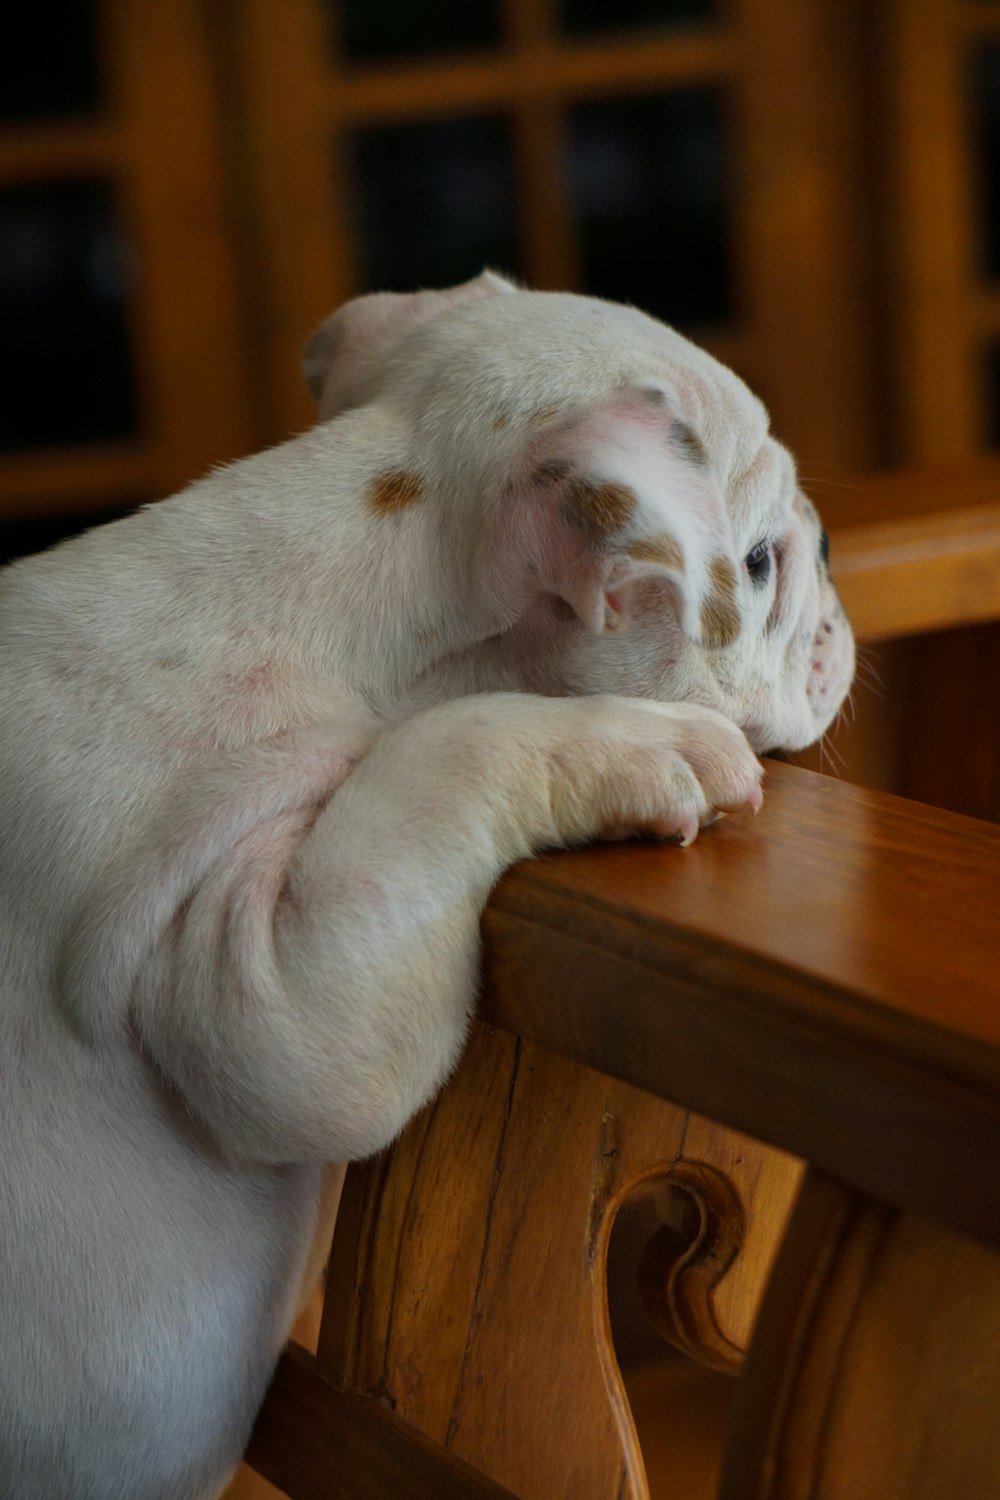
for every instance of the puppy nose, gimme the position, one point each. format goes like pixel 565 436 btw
pixel 824 548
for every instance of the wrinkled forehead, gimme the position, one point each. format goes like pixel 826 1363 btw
pixel 536 350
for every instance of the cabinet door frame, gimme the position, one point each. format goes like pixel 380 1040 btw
pixel 802 337
pixel 155 139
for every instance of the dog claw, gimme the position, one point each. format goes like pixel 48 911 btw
pixel 688 832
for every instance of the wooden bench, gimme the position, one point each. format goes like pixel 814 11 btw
pixel 793 1030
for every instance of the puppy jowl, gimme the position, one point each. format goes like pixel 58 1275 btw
pixel 538 575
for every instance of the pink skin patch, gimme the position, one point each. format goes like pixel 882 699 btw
pixel 824 657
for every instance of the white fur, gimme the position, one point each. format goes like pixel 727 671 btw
pixel 265 748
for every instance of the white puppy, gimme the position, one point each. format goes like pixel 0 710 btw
pixel 266 747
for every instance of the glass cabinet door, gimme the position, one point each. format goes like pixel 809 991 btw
pixel 117 274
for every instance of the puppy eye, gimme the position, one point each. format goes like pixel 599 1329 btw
pixel 758 563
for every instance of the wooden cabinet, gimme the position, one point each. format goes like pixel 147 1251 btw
pixel 692 166
pixel 123 336
pixel 809 189
pixel 185 189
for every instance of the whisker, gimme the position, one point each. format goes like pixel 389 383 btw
pixel 867 674
pixel 870 686
pixel 836 758
pixel 833 484
pixel 865 657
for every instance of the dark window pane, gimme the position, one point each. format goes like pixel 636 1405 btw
pixel 583 16
pixel 63 287
pixel 649 184
pixel 374 29
pixel 986 128
pixel 48 61
pixel 434 202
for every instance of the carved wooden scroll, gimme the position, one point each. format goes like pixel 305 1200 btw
pixel 467 1288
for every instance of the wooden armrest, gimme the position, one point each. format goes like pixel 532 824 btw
pixel 917 551
pixel 824 977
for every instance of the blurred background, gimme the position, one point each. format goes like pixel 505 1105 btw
pixel 811 188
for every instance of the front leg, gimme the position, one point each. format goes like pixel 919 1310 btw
pixel 311 989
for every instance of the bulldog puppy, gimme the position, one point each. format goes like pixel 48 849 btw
pixel 539 575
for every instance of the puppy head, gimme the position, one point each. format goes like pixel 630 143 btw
pixel 622 519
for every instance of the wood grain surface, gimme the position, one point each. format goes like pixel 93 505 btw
pixel 917 551
pixel 468 1282
pixel 875 1365
pixel 320 1443
pixel 824 977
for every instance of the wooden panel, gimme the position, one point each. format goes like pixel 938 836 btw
pixel 977 18
pixel 188 340
pixel 549 251
pixel 797 251
pixel 912 494
pixel 474 84
pixel 319 1443
pixel 469 1265
pixel 876 1364
pixel 953 759
pixel 83 148
pixel 823 977
pixel 929 226
pixel 919 552
pixel 307 257
pixel 984 311
pixel 548 241
pixel 919 573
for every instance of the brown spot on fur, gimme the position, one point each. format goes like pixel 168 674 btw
pixel 544 414
pixel 395 490
pixel 499 423
pixel 720 619
pixel 689 444
pixel 601 509
pixel 551 472
pixel 662 549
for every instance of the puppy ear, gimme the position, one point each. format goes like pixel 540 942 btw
pixel 346 353
pixel 621 493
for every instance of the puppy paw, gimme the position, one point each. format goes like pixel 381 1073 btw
pixel 660 770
